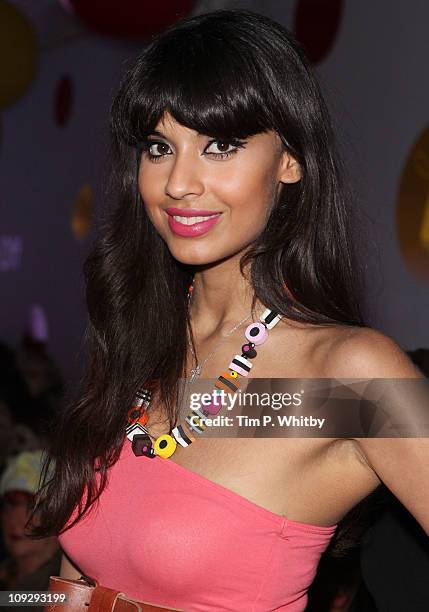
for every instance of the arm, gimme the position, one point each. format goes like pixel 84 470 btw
pixel 402 464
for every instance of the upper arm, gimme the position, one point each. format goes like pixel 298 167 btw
pixel 68 570
pixel 402 464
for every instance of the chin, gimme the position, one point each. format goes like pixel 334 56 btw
pixel 192 259
pixel 194 254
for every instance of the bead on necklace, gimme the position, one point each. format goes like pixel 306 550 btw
pixel 184 434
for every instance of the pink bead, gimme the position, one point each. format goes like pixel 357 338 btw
pixel 214 407
pixel 241 365
pixel 256 333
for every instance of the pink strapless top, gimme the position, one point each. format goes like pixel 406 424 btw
pixel 163 534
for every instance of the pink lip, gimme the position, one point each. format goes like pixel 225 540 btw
pixel 189 231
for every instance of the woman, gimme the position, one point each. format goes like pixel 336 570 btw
pixel 219 117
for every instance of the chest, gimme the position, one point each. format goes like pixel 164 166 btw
pixel 279 474
pixel 264 470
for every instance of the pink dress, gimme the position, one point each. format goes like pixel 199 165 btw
pixel 163 534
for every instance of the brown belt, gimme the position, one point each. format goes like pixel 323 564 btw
pixel 82 596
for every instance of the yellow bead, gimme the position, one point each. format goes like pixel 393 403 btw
pixel 165 446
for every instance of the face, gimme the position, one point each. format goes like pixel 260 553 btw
pixel 14 515
pixel 34 369
pixel 184 176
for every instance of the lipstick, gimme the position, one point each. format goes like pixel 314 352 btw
pixel 196 225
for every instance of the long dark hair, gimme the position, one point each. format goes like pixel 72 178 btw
pixel 226 74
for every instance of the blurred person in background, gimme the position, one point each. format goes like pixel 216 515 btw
pixel 26 412
pixel 40 371
pixel 30 561
pixel 36 366
pixel 31 391
pixel 14 399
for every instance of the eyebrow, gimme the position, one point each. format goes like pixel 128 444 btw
pixel 156 133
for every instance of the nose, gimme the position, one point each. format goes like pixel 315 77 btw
pixel 185 179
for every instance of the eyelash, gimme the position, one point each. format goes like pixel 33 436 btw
pixel 238 144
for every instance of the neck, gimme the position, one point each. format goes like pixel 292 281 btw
pixel 221 298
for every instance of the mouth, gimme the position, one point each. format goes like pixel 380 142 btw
pixel 191 213
pixel 191 222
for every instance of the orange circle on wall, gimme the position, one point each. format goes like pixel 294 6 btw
pixel 412 212
pixel 82 212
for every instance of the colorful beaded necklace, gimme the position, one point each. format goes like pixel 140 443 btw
pixel 228 381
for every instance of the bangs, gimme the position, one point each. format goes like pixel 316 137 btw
pixel 205 83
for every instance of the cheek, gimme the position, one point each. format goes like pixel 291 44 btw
pixel 150 186
pixel 248 195
pixel 10 519
pixel 151 189
pixel 3 521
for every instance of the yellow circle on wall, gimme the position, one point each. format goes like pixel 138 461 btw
pixel 82 212
pixel 412 212
pixel 18 54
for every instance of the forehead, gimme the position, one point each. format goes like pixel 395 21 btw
pixel 168 124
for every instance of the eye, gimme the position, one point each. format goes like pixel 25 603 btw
pixel 223 148
pixel 155 149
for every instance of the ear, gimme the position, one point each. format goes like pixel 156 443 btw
pixel 289 169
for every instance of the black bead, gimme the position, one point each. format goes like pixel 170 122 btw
pixel 250 353
pixel 135 414
pixel 141 441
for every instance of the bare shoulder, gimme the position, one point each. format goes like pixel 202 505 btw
pixel 355 352
pixel 401 463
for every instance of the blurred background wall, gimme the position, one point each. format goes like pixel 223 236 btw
pixel 60 64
